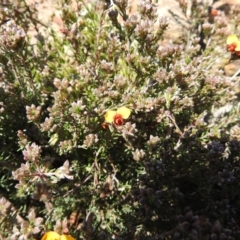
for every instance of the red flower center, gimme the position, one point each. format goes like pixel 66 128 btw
pixel 105 125
pixel 118 120
pixel 231 47
pixel 214 12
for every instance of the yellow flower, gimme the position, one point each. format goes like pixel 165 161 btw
pixel 55 236
pixel 232 43
pixel 237 49
pixel 117 116
pixel 232 39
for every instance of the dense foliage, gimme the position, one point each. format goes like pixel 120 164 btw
pixel 170 170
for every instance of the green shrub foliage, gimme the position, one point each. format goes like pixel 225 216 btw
pixel 170 171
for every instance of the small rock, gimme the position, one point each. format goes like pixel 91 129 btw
pixel 232 67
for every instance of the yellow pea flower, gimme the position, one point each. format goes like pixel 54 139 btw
pixel 237 49
pixel 55 236
pixel 117 116
pixel 232 43
pixel 231 39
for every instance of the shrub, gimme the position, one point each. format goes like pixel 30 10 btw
pixel 73 162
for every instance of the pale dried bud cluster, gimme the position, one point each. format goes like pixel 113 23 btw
pixel 33 112
pixel 153 141
pixel 183 4
pixel 62 172
pixel 185 102
pixel 207 28
pixel 76 109
pixel 21 173
pixel 23 141
pixel 148 9
pixel 34 222
pixel 114 45
pixel 148 104
pixel 221 23
pixel 223 31
pixel 4 206
pixel 66 146
pixel 72 33
pixel 61 85
pixel 235 12
pixel 62 104
pixel 47 124
pixel 132 22
pixel 32 152
pixel 214 81
pixel 105 89
pixel 163 23
pixel 220 20
pixel 106 188
pixel 27 228
pixel 22 228
pixel 61 226
pixel 11 35
pixel 169 51
pixel 83 71
pixel 106 66
pixel 144 29
pixel 114 94
pixel 90 140
pixel 2 75
pixel 57 109
pixel 129 129
pixel 161 75
pixel 1 107
pixel 42 192
pixel 138 154
pixel 235 132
